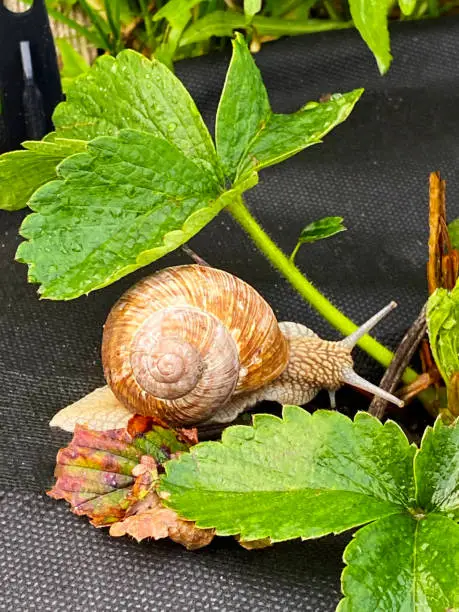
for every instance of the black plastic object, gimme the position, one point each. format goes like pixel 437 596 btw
pixel 29 90
pixel 373 170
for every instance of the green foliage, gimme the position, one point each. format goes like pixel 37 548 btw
pixel 398 563
pixel 223 24
pixel 178 14
pixel 23 172
pixel 133 92
pixel 173 29
pixel 74 64
pixel 252 7
pixel 318 230
pixel 435 470
pixel 370 18
pixel 150 178
pixel 249 136
pixel 308 475
pixel 129 200
pixel 243 109
pixel 294 470
pixel 453 230
pixel 407 6
pixel 443 326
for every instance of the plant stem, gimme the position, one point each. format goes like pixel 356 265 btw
pixel 332 13
pixel 147 19
pixel 288 269
pixel 294 252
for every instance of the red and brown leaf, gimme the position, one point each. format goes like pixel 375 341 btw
pixel 94 474
pixel 111 477
pixel 150 519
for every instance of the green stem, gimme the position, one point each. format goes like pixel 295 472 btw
pixel 148 22
pixel 294 252
pixel 280 261
pixel 332 13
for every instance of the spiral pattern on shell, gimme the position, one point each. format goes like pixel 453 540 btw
pixel 181 342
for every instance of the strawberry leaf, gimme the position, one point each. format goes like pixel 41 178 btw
pixel 436 470
pixel 308 475
pixel 318 230
pixel 443 326
pixel 287 478
pixel 96 472
pixel 130 91
pixel 453 230
pixel 250 136
pixel 128 201
pixel 398 563
pixel 23 172
pixel 150 178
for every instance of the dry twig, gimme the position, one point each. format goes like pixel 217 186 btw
pixel 402 358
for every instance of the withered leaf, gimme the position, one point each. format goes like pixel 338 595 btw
pixel 111 477
pixel 152 520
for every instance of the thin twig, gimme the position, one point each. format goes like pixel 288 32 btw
pixel 194 256
pixel 402 358
pixel 422 382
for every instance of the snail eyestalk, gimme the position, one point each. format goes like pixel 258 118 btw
pixel 351 340
pixel 352 378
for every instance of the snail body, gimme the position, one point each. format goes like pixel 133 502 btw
pixel 193 344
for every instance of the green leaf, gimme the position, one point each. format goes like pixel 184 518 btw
pixel 370 18
pixel 178 14
pixel 443 327
pixel 88 33
pixel 223 23
pixel 322 228
pixel 436 470
pixel 23 172
pixel 99 23
pixel 243 109
pixel 318 230
pixel 250 136
pixel 129 200
pixel 453 230
pixel 217 23
pixel 407 6
pixel 399 563
pixel 54 146
pixel 285 135
pixel 302 476
pixel 134 92
pixel 252 7
pixel 73 63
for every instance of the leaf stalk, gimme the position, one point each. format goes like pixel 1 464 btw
pixel 306 289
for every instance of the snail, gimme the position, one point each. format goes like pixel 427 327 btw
pixel 192 344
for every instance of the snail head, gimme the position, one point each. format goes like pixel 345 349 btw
pixel 324 364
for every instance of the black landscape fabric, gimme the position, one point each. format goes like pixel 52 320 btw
pixel 372 170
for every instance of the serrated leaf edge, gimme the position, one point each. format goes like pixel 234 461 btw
pixel 289 412
pixel 171 240
pixel 243 167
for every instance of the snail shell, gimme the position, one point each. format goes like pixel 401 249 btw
pixel 181 343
